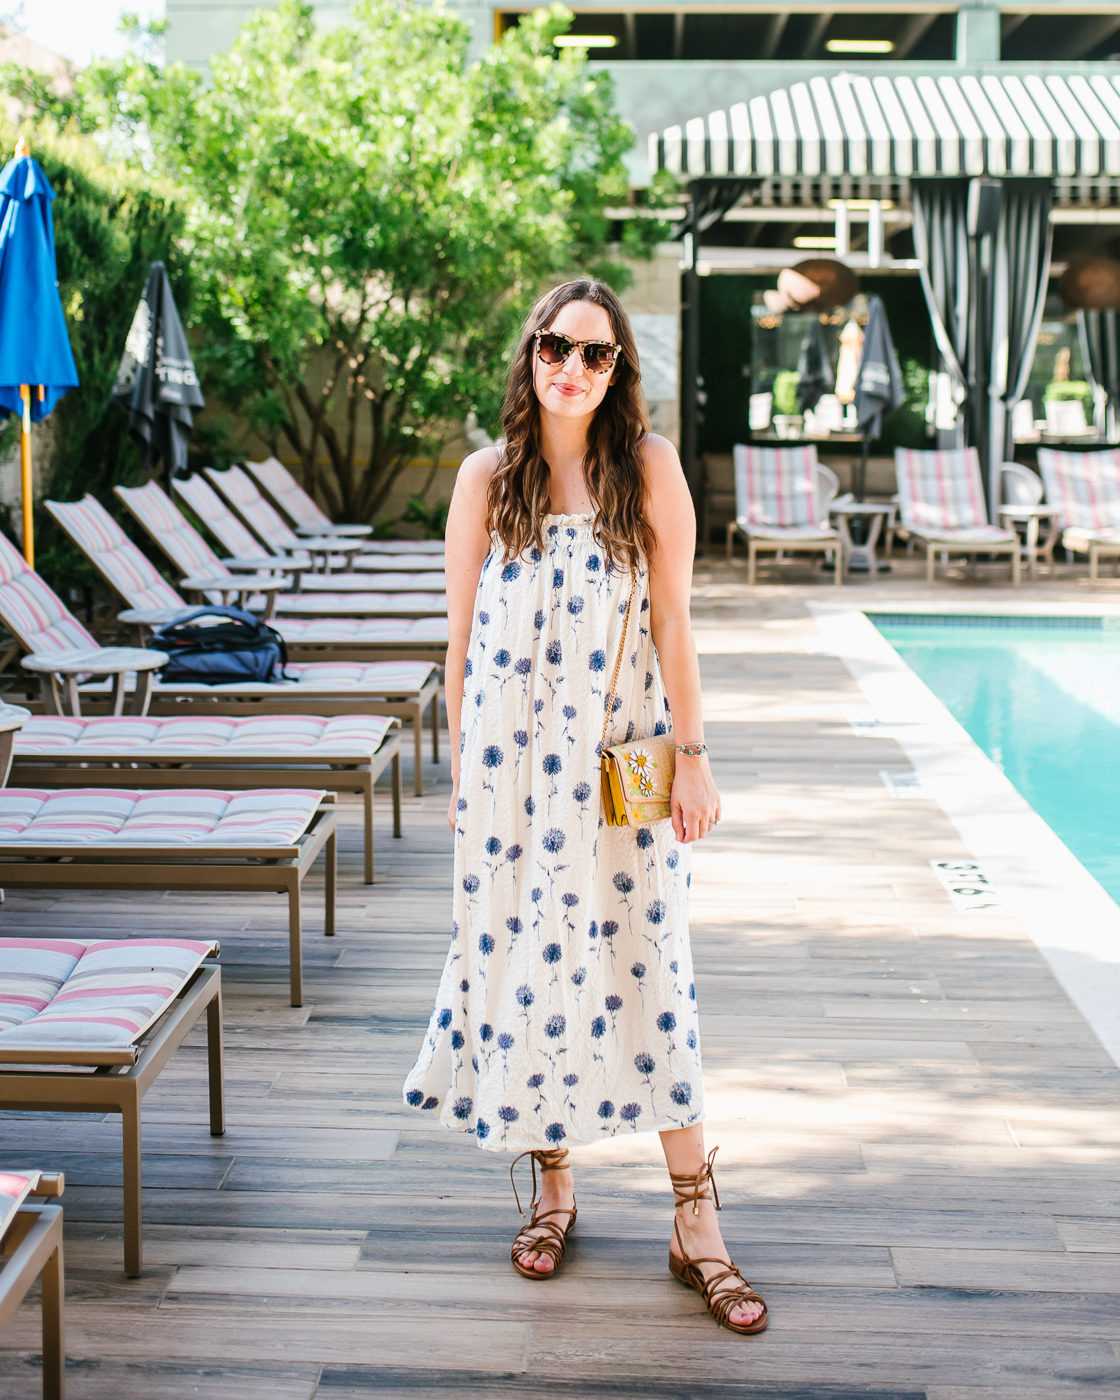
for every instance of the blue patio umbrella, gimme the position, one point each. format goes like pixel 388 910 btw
pixel 36 363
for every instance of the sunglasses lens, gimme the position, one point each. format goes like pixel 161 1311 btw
pixel 554 349
pixel 598 357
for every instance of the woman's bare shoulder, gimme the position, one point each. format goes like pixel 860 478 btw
pixel 476 470
pixel 662 463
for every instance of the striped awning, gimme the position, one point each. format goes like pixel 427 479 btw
pixel 902 126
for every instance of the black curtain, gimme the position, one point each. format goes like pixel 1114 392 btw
pixel 1013 295
pixel 1099 334
pixel 709 198
pixel 940 212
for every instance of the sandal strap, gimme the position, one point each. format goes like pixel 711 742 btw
pixel 554 1159
pixel 689 1187
pixel 552 1241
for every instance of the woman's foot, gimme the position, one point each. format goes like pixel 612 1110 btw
pixel 558 1193
pixel 701 1239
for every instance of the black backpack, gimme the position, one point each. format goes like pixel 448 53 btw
pixel 220 646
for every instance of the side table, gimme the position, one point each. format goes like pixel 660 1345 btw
pixel 1030 516
pixel 59 671
pixel 861 557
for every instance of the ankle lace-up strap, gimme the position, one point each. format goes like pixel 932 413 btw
pixel 694 1188
pixel 550 1159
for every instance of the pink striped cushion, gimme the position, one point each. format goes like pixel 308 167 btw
pixel 377 629
pixel 188 817
pixel 95 993
pixel 380 604
pixel 278 481
pixel 218 737
pixel 171 530
pixel 1085 485
pixel 14 1190
pixel 776 486
pixel 237 487
pixel 109 549
pixel 940 490
pixel 32 611
pixel 208 507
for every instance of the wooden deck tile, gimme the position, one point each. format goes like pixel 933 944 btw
pixel 920 1158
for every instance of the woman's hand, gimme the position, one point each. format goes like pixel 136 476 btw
pixel 694 799
pixel 453 805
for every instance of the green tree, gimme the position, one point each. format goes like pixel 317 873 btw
pixel 369 218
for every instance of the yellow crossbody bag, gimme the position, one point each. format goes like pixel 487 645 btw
pixel 635 778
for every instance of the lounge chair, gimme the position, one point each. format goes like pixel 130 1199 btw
pixel 1085 486
pixel 779 505
pixel 61 649
pixel 31 1249
pixel 941 504
pixel 196 839
pixel 243 493
pixel 344 754
pixel 342 638
pixel 87 1024
pixel 126 569
pixel 1023 508
pixel 302 512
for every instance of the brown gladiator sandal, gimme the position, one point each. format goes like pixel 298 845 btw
pixel 553 1240
pixel 717 1294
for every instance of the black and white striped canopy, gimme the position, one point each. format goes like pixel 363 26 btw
pixel 902 126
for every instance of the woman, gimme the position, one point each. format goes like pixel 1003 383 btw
pixel 566 1011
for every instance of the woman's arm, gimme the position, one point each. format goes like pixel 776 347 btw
pixel 695 801
pixel 467 545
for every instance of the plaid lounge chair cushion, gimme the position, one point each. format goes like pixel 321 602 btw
pixel 218 737
pixel 776 491
pixel 110 550
pixel 238 488
pixel 33 611
pixel 354 629
pixel 278 481
pixel 1085 486
pixel 14 1190
pixel 208 506
pixel 91 992
pixel 189 817
pixel 175 535
pixel 941 497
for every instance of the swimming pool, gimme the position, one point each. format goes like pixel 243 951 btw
pixel 1041 697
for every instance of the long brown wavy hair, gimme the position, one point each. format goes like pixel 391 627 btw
pixel 518 495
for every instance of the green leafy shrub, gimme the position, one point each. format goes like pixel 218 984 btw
pixel 785 392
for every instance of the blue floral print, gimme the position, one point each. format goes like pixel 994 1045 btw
pixel 567 1012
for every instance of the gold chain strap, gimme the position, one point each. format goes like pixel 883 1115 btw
pixel 618 661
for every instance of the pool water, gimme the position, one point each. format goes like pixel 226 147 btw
pixel 1041 697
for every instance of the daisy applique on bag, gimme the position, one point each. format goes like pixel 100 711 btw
pixel 636 778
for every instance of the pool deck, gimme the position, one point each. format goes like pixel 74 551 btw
pixel 920 1144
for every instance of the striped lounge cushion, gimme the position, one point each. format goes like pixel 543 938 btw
pixel 776 486
pixel 33 611
pixel 89 992
pixel 189 817
pixel 217 737
pixel 171 530
pixel 324 604
pixel 1085 485
pixel 374 629
pixel 278 481
pixel 205 503
pixel 238 488
pixel 940 490
pixel 109 549
pixel 14 1190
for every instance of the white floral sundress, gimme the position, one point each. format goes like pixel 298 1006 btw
pixel 566 1011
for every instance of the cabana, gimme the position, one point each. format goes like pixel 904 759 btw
pixel 968 159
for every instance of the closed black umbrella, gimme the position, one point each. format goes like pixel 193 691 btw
pixel 156 381
pixel 815 375
pixel 879 389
